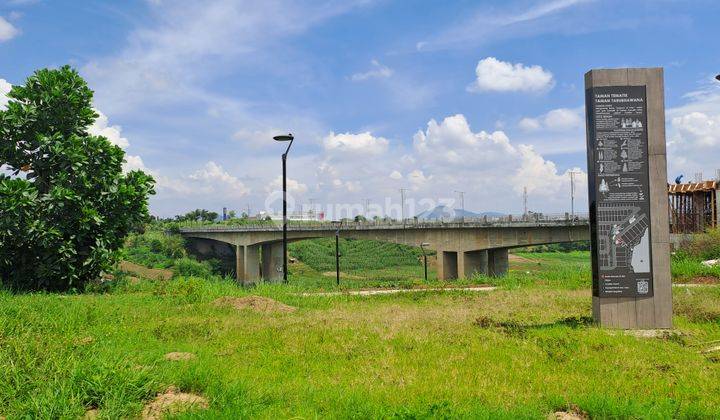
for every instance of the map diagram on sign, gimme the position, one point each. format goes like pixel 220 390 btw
pixel 619 186
pixel 623 238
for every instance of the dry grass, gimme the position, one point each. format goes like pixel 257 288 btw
pixel 144 272
pixel 255 303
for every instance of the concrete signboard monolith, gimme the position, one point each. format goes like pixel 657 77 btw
pixel 627 188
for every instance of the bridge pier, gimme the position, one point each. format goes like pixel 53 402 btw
pixel 272 262
pixel 473 262
pixel 247 263
pixel 447 265
pixel 498 262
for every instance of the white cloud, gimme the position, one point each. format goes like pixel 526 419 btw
pixel 190 42
pixel 693 134
pixel 134 163
pixel 494 75
pixel 698 129
pixel 530 124
pixel 453 153
pixel 395 175
pixel 213 174
pixel 378 71
pixel 489 24
pixel 418 179
pixel 112 132
pixel 4 90
pixel 7 30
pixel 256 138
pixel 293 186
pixel 363 143
pixel 561 119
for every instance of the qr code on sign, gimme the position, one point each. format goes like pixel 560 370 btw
pixel 642 287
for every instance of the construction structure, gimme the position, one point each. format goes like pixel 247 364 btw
pixel 693 207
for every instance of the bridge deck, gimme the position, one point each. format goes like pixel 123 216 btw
pixel 327 226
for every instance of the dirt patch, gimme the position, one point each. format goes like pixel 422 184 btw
pixel 178 356
pixel 653 333
pixel 342 275
pixel 172 402
pixel 518 258
pixel 91 414
pixel 573 413
pixel 705 280
pixel 144 272
pixel 255 303
pixel 84 341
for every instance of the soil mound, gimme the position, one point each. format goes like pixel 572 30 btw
pixel 255 303
pixel 172 402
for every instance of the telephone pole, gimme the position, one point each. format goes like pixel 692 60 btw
pixel 572 194
pixel 462 205
pixel 402 204
pixel 366 202
pixel 525 212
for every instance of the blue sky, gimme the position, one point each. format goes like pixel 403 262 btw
pixel 480 96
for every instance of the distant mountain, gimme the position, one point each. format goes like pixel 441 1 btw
pixel 447 213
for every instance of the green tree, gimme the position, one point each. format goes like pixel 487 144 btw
pixel 197 215
pixel 65 204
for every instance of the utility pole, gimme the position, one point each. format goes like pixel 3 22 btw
pixel 525 212
pixel 367 205
pixel 402 204
pixel 311 212
pixel 572 194
pixel 462 205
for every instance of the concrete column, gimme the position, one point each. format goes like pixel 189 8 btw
pixel 498 262
pixel 447 265
pixel 240 263
pixel 247 263
pixel 272 262
pixel 473 263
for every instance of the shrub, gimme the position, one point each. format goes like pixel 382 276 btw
pixel 154 249
pixel 188 267
pixel 705 246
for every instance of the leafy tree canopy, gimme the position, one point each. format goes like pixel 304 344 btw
pixel 65 204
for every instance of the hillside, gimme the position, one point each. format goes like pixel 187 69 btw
pixel 319 254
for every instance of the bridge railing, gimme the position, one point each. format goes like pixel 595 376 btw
pixel 532 219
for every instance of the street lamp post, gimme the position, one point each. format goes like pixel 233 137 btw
pixel 289 138
pixel 422 247
pixel 338 225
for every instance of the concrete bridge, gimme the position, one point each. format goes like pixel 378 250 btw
pixel 254 252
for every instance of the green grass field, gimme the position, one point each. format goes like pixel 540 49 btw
pixel 526 350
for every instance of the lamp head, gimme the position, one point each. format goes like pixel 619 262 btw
pixel 284 137
pixel 717 77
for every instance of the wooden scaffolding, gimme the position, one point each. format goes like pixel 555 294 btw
pixel 693 207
